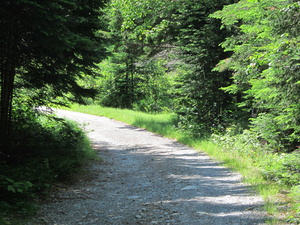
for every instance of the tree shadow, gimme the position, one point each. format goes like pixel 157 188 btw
pixel 186 181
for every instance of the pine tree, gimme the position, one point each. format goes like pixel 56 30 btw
pixel 46 44
pixel 266 66
pixel 202 106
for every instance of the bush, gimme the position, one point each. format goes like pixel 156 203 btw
pixel 62 146
pixel 281 168
pixel 46 150
pixel 284 169
pixel 245 143
pixel 151 105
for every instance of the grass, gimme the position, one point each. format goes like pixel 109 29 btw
pixel 158 123
pixel 247 165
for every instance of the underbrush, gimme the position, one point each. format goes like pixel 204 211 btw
pixel 46 149
pixel 275 175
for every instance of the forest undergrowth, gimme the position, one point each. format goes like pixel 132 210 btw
pixel 47 151
pixel 275 176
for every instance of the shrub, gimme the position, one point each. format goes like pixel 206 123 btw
pixel 245 143
pixel 62 146
pixel 281 168
pixel 284 169
pixel 46 150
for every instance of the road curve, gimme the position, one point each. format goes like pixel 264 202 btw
pixel 147 179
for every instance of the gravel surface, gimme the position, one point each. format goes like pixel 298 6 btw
pixel 147 179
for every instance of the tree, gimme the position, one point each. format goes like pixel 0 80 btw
pixel 202 106
pixel 159 24
pixel 46 45
pixel 136 31
pixel 119 89
pixel 266 66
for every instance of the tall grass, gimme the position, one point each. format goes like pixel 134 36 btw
pixel 249 165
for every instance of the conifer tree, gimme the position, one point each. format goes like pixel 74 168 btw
pixel 46 44
pixel 202 106
pixel 266 66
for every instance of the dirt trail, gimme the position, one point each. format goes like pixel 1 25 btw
pixel 147 179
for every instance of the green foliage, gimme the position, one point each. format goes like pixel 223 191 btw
pixel 66 147
pixel 144 30
pixel 202 106
pixel 295 216
pixel 239 142
pixel 16 186
pixel 266 66
pixel 134 76
pixel 265 126
pixel 284 169
pixel 46 149
pixel 45 46
pixel 149 22
pixel 281 168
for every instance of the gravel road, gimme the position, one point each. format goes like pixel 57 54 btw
pixel 147 179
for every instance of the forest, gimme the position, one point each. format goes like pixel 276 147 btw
pixel 227 70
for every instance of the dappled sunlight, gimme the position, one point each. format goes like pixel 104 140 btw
pixel 143 178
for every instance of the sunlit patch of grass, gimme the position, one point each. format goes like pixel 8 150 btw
pixel 161 123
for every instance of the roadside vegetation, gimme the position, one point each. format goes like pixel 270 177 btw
pixel 274 176
pixel 45 47
pixel 48 150
pixel 218 75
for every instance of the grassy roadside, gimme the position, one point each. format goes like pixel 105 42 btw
pixel 249 165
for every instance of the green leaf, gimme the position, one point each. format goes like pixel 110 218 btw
pixel 11 188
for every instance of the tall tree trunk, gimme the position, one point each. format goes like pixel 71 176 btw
pixel 8 72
